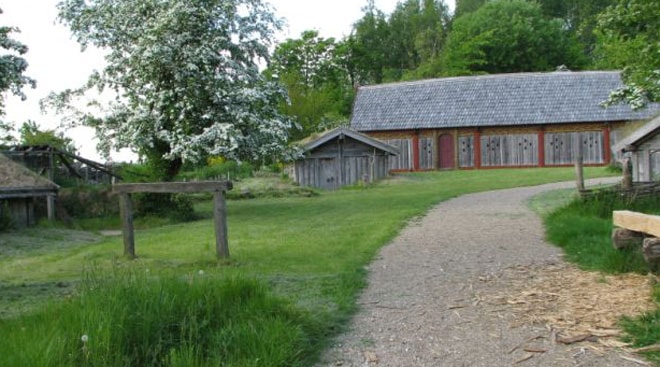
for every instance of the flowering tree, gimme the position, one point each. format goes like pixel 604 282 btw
pixel 185 78
pixel 12 67
pixel 630 40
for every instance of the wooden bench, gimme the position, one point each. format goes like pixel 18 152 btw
pixel 636 229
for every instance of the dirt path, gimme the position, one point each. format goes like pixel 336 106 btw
pixel 422 306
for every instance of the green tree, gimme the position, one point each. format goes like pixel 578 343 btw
pixel 467 6
pixel 629 39
pixel 368 45
pixel 506 36
pixel 186 78
pixel 579 18
pixel 313 70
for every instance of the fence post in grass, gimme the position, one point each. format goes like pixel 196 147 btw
pixel 220 220
pixel 126 212
pixel 579 170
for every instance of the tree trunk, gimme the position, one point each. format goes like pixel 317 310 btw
pixel 625 238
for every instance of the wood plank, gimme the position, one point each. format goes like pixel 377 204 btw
pixel 220 221
pixel 638 222
pixel 126 212
pixel 174 187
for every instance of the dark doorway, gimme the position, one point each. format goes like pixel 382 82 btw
pixel 446 151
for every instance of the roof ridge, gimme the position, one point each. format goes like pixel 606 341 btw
pixel 485 76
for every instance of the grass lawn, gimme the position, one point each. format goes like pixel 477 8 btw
pixel 308 252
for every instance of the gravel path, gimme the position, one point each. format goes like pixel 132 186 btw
pixel 419 308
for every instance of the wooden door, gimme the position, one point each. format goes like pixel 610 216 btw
pixel 446 152
pixel 328 177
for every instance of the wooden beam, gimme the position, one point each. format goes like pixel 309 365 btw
pixel 126 212
pixel 220 221
pixel 174 187
pixel 638 222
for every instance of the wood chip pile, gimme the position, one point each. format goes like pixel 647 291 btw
pixel 577 305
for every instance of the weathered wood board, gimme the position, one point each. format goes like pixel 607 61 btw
pixel 638 222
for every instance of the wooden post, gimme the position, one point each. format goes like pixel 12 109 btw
pixel 50 207
pixel 627 182
pixel 477 149
pixel 220 220
pixel 579 170
pixel 126 212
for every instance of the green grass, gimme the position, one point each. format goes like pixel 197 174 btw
pixel 308 252
pixel 582 228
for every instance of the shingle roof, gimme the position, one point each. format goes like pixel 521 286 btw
pixel 639 136
pixel 315 141
pixel 492 100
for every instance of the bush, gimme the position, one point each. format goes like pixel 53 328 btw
pixel 134 320
pixel 178 207
pixel 87 202
pixel 220 171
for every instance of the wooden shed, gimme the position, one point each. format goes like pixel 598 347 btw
pixel 23 191
pixel 643 149
pixel 342 157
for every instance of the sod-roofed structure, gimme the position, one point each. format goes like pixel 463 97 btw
pixel 341 157
pixel 23 193
pixel 491 121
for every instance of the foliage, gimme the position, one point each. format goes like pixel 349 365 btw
pixel 186 79
pixel 506 36
pixel 87 202
pixel 12 66
pixel 407 44
pixel 319 86
pixel 579 18
pixel 467 6
pixel 146 320
pixel 629 40
pixel 32 135
pixel 230 170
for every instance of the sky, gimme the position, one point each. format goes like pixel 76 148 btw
pixel 57 63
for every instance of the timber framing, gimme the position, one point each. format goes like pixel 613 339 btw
pixel 218 188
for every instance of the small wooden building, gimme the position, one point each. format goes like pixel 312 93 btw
pixel 23 191
pixel 342 157
pixel 643 149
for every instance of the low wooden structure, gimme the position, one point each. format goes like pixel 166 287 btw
pixel 342 157
pixel 218 188
pixel 637 229
pixel 21 190
pixel 642 147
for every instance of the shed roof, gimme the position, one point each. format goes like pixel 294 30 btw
pixel 17 180
pixel 314 141
pixel 639 136
pixel 492 100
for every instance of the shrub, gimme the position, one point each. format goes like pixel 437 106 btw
pixel 5 217
pixel 88 202
pixel 225 170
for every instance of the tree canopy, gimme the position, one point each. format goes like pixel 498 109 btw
pixel 313 69
pixel 12 78
pixel 629 40
pixel 509 36
pixel 186 78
